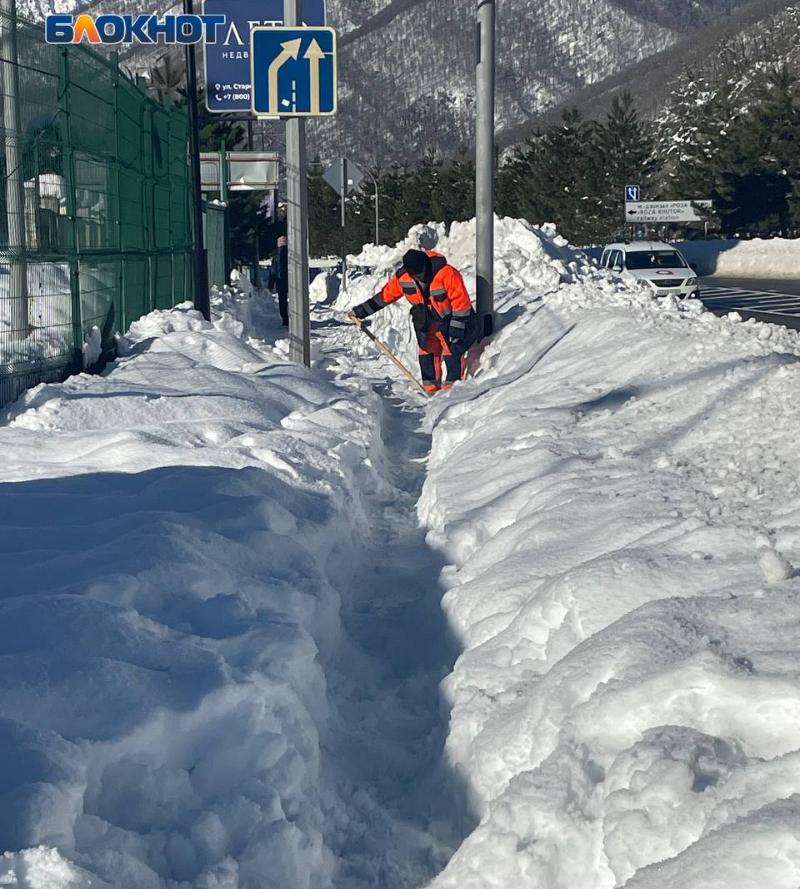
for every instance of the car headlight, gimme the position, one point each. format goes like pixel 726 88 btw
pixel 690 282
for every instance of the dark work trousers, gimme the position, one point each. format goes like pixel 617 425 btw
pixel 437 350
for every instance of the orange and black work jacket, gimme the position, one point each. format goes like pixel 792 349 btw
pixel 446 297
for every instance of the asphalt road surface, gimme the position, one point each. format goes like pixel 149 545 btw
pixel 775 301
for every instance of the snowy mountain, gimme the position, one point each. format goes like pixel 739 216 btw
pixel 760 35
pixel 407 66
pixel 409 82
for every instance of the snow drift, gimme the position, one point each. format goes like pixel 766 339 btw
pixel 774 258
pixel 615 495
pixel 170 545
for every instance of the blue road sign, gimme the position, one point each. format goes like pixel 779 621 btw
pixel 633 193
pixel 227 62
pixel 294 71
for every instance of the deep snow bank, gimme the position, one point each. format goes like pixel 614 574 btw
pixel 525 254
pixel 617 496
pixel 171 536
pixel 774 258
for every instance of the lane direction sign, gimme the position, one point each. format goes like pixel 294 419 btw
pixel 633 193
pixel 293 72
pixel 227 62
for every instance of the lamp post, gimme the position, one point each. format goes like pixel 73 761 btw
pixel 484 166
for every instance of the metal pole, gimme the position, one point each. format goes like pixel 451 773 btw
pixel 224 196
pixel 15 181
pixel 377 210
pixel 343 193
pixel 201 295
pixel 297 221
pixel 70 200
pixel 484 166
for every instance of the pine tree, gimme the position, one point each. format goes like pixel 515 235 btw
pixel 457 190
pixel 324 219
pixel 512 176
pixel 757 171
pixel 625 155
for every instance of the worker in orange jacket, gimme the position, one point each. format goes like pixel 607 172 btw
pixel 441 312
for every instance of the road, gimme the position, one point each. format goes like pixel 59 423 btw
pixel 776 301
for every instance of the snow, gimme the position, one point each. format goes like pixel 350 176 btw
pixel 607 492
pixel 49 313
pixel 266 626
pixel 164 611
pixel 759 258
pixel 611 491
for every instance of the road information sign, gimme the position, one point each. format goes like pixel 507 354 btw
pixel 353 174
pixel 293 71
pixel 633 193
pixel 664 211
pixel 227 71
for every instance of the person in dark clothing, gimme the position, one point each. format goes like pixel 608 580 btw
pixel 281 265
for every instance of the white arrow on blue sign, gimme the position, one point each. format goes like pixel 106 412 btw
pixel 293 71
pixel 227 62
pixel 633 193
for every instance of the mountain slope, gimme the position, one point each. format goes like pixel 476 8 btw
pixel 408 73
pixel 407 66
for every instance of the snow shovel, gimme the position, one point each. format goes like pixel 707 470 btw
pixel 388 352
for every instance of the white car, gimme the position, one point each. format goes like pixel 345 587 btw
pixel 658 265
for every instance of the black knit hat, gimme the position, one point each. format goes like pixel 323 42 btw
pixel 417 264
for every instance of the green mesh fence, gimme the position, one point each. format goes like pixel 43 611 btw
pixel 95 206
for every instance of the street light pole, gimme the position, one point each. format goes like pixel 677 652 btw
pixel 201 295
pixel 484 166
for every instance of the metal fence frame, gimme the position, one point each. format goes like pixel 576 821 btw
pixel 101 171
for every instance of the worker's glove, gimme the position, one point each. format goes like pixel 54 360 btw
pixel 421 319
pixel 457 331
pixel 462 331
pixel 359 312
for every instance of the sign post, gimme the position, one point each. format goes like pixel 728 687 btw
pixel 202 298
pixel 343 192
pixel 345 177
pixel 297 222
pixel 293 75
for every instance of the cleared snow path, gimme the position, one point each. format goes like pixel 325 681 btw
pixel 400 813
